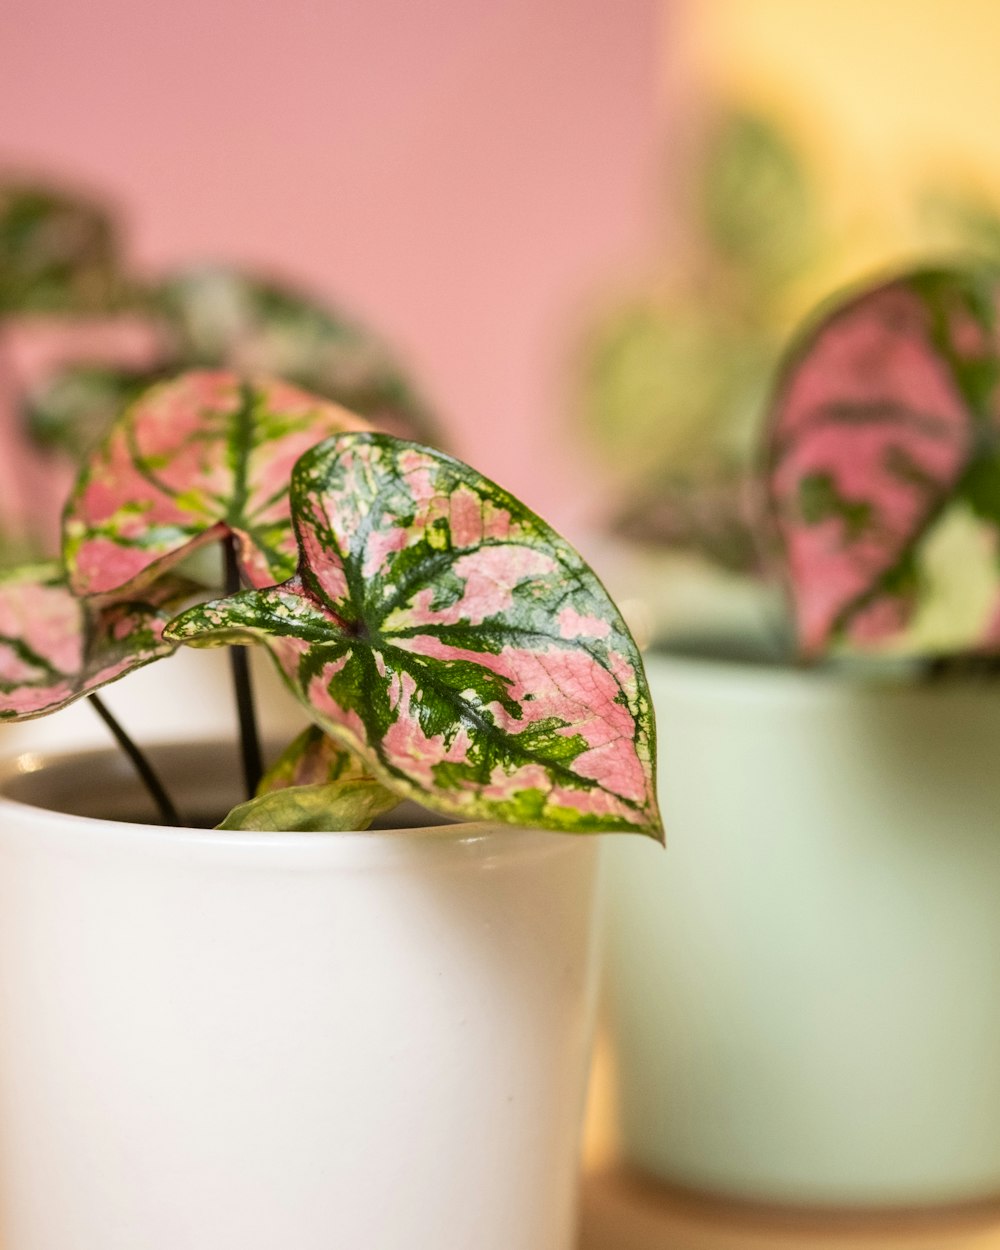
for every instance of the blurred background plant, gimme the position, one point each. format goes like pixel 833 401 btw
pixel 60 252
pixel 676 379
pixel 81 335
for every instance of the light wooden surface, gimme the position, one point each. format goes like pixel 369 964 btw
pixel 621 1212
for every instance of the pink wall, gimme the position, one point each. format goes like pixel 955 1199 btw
pixel 461 173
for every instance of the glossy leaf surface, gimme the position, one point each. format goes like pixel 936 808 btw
pixel 453 642
pixel 53 650
pixel 192 460
pixel 886 414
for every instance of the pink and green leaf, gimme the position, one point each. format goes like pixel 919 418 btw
pixel 453 642
pixel 195 459
pixel 54 649
pixel 886 411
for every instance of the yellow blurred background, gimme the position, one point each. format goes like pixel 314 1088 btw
pixel 888 94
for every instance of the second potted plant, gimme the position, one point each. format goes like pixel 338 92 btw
pixel 804 997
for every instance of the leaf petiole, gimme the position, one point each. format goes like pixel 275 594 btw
pixel 239 665
pixel 147 774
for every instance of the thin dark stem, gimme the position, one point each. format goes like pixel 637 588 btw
pixel 243 688
pixel 168 813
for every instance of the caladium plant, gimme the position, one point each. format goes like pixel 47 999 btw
pixel 448 645
pixel 876 499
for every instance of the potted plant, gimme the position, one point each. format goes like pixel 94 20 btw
pixel 803 998
pixel 290 1028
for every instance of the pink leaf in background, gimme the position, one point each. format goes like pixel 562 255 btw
pixel 877 419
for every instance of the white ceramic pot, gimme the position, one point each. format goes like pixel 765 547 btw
pixel 806 986
pixel 231 1041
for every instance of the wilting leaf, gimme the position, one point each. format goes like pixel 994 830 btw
pixel 453 642
pixel 336 807
pixel 886 412
pixel 314 786
pixel 194 459
pixel 54 650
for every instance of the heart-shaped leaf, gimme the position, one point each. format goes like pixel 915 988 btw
pixel 886 412
pixel 453 642
pixel 194 459
pixel 53 649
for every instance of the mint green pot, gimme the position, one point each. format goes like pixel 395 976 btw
pixel 805 988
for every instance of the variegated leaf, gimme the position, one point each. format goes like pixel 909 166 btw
pixel 194 459
pixel 886 411
pixel 53 650
pixel 453 642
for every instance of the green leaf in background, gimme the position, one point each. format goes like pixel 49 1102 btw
pixel 59 252
pixel 756 201
pixel 453 642
pixel 218 315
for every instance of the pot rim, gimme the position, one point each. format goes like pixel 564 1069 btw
pixel 854 674
pixel 730 683
pixel 462 835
